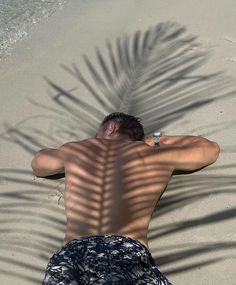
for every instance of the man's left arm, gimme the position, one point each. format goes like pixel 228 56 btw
pixel 49 161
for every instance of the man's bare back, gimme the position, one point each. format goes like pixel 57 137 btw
pixel 113 182
pixel 111 188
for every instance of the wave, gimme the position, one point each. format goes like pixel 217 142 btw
pixel 18 17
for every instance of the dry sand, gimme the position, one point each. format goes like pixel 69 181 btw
pixel 180 84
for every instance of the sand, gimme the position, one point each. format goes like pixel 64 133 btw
pixel 177 73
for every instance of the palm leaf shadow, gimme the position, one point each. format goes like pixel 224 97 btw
pixel 188 190
pixel 27 217
pixel 150 75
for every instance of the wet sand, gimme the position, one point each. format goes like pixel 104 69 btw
pixel 19 17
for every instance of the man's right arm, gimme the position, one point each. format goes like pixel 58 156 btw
pixel 185 152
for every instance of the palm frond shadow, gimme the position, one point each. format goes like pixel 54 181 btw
pixel 151 75
pixel 25 205
pixel 27 219
pixel 186 251
pixel 148 75
pixel 187 190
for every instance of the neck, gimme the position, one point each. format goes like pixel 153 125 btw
pixel 116 137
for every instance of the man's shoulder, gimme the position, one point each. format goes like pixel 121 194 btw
pixel 74 143
pixel 71 146
pixel 95 142
pixel 89 143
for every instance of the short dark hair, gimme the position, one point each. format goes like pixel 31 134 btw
pixel 128 125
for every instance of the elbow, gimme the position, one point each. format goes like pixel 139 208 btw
pixel 35 165
pixel 217 147
pixel 215 151
pixel 210 153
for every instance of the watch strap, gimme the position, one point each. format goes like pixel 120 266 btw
pixel 156 138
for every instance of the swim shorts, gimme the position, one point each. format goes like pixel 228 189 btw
pixel 106 259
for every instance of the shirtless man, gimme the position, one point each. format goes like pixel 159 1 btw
pixel 113 182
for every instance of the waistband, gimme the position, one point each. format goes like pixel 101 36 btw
pixel 110 236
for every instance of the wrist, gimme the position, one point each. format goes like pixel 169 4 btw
pixel 156 138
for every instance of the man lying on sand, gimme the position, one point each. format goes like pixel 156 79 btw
pixel 113 182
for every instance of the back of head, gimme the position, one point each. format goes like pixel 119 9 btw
pixel 128 125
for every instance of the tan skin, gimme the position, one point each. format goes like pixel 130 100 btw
pixel 114 183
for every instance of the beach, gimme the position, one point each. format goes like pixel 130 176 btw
pixel 173 64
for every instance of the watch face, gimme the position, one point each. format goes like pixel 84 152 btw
pixel 156 134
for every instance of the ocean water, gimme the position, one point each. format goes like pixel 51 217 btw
pixel 18 17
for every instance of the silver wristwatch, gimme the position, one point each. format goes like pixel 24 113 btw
pixel 156 138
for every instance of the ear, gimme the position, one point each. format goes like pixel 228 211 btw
pixel 111 127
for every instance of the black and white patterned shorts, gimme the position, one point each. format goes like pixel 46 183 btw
pixel 107 259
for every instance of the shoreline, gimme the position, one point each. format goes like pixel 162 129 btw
pixel 17 20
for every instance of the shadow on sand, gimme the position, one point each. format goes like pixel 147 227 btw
pixel 152 75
